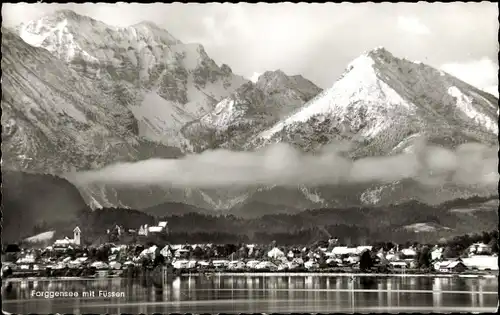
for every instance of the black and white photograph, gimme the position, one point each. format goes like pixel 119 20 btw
pixel 249 158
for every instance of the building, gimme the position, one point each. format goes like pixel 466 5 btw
pixel 164 225
pixel 143 230
pixel 63 243
pixel 66 241
pixel 450 266
pixel 77 236
pixel 155 229
pixel 480 249
pixel 398 264
pixel 343 251
pixel 436 253
pixel 481 262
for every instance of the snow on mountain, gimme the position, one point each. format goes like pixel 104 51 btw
pixel 250 108
pixel 165 82
pixel 56 120
pixel 424 227
pixel 41 237
pixel 51 114
pixel 83 94
pixel 381 103
pixel 381 100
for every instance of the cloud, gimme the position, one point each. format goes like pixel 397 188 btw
pixel 314 40
pixel 282 165
pixel 412 25
pixel 482 73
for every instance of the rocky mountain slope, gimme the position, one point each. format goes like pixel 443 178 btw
pixel 381 104
pixel 56 120
pixel 164 82
pixel 53 118
pixel 76 99
pixel 251 108
pixel 382 101
pixel 80 94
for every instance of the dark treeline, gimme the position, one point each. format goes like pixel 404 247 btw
pixel 351 226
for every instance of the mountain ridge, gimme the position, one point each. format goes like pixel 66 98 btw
pixel 165 82
pixel 26 209
pixel 166 88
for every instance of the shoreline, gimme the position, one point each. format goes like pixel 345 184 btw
pixel 266 274
pixel 333 274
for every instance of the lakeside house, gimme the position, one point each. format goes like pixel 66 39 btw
pixel 276 254
pixel 146 230
pixel 68 242
pixel 143 230
pixel 66 254
pixel 450 266
pixel 481 262
pixel 437 253
pixel 480 249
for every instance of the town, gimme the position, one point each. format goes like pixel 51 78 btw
pixel 68 257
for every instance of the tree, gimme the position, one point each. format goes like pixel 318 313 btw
pixel 486 238
pixel 365 261
pixel 450 252
pixel 424 257
pixel 198 252
pixel 494 245
pixel 159 260
pixel 442 241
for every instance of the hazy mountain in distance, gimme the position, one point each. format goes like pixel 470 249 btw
pixel 174 208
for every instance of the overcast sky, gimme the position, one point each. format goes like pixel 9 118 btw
pixel 315 40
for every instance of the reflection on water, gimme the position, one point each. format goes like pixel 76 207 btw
pixel 220 293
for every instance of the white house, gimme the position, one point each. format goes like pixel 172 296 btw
pixel 276 253
pixel 164 225
pixel 143 230
pixel 166 252
pixel 76 235
pixel 437 253
pixel 450 266
pixel 361 249
pixel 343 250
pixel 409 252
pixel 480 248
pixel 481 262
pixel 398 264
pixel 155 229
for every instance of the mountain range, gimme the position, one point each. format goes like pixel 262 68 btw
pixel 34 203
pixel 79 95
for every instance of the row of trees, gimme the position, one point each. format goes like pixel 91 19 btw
pixel 457 246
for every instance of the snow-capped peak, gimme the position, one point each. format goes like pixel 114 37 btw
pixel 379 93
pixel 152 29
pixel 56 34
pixel 68 14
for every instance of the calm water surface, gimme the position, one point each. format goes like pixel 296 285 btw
pixel 234 294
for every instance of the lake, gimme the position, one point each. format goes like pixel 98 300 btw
pixel 236 294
